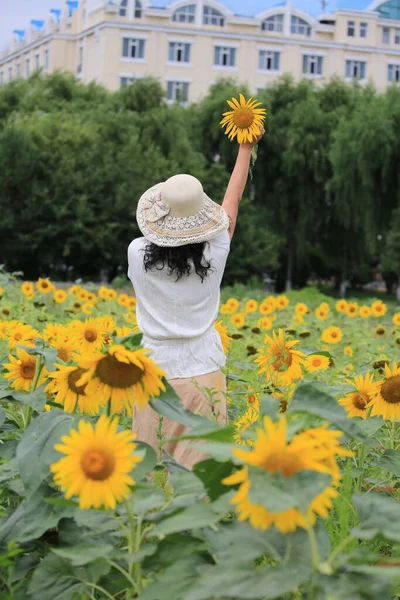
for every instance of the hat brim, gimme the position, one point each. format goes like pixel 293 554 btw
pixel 171 231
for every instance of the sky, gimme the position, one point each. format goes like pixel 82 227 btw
pixel 16 14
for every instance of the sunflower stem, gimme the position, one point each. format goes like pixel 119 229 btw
pixel 361 459
pixel 38 370
pixel 315 559
pixel 393 435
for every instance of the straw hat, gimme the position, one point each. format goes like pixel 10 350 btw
pixel 178 212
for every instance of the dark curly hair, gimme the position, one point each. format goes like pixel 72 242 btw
pixel 179 261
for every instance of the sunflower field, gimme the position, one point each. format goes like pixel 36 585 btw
pixel 297 497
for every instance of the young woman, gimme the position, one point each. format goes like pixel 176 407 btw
pixel 176 270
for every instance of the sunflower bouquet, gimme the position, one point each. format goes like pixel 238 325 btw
pixel 244 121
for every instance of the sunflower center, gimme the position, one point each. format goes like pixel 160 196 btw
pixel 73 378
pixel 97 464
pixel 360 401
pixel 391 390
pixel 5 311
pixel 90 335
pixel 243 118
pixel 283 360
pixel 45 285
pixel 316 362
pixel 27 370
pixel 116 374
pixel 334 334
pixel 62 353
pixel 17 337
pixel 284 462
pixel 380 331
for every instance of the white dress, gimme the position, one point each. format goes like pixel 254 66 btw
pixel 177 317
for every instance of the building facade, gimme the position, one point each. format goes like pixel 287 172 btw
pixel 189 44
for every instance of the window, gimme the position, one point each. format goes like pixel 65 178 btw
pixel 125 82
pixel 37 61
pixel 18 69
pixel 212 17
pixel 385 35
pixel 274 23
pixel 363 30
pixel 27 67
pixel 9 73
pixel 394 73
pixel 299 26
pixel 179 52
pixel 351 28
pixel 177 91
pixel 46 59
pixel 389 10
pixel 312 65
pixel 397 36
pixel 186 14
pixel 224 56
pixel 80 60
pixel 138 9
pixel 122 8
pixel 133 48
pixel 1 77
pixel 268 60
pixel 356 69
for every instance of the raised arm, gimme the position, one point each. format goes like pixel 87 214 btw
pixel 237 183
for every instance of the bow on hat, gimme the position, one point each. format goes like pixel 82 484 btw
pixel 155 208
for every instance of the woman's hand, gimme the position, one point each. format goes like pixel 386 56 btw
pixel 251 145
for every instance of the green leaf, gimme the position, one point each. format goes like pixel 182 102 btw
pixel 84 553
pixel 173 548
pixel 351 586
pixel 34 516
pixel 220 451
pixel 131 341
pixel 57 579
pixel 389 460
pixel 211 473
pixel 192 517
pixel 36 399
pixel 145 500
pixel 278 494
pixel 35 451
pixel 147 464
pixel 2 415
pixel 312 399
pixel 174 582
pixel 370 426
pixel 379 515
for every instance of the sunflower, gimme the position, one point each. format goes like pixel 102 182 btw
pixel 298 319
pixel 74 289
pixel 131 302
pixel 1 290
pixel 106 322
pixel 238 319
pixel 352 309
pixel 88 336
pixel 65 349
pixel 21 334
pixel 279 361
pixel 251 306
pixel 282 302
pixel 82 295
pixel 396 319
pixel 332 335
pixel 386 403
pixel 123 331
pixel 380 331
pixel 97 464
pixel 223 333
pixel 27 288
pixel 54 332
pixel 60 296
pixel 87 308
pixel 103 292
pixel 233 304
pixel 341 305
pixel 316 362
pixel 321 313
pixel 4 329
pixel 44 286
pixel 273 454
pixel 124 377
pixel 348 350
pixel 349 367
pixel 6 311
pixel 68 393
pixel 356 402
pixel 243 423
pixel 265 323
pixel 301 308
pixel 111 294
pixel 225 310
pixel 122 299
pixel 131 318
pixel 378 308
pixel 21 371
pixel 365 312
pixel 244 120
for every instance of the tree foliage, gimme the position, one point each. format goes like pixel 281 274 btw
pixel 74 160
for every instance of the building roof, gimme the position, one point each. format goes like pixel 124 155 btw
pixel 313 7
